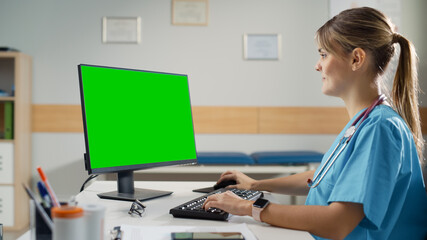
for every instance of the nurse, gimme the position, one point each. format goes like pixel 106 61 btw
pixel 369 184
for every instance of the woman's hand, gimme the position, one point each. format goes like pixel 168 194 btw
pixel 229 202
pixel 242 180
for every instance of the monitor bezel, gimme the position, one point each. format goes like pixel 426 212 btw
pixel 116 169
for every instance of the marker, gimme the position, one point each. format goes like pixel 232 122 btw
pixel 48 187
pixel 39 208
pixel 47 202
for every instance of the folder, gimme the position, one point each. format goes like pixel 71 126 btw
pixel 8 120
pixel 1 120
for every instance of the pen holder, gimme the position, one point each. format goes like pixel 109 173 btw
pixel 39 229
pixel 42 231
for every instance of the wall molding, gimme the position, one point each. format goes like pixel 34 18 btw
pixel 221 119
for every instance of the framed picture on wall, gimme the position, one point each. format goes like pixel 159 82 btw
pixel 121 30
pixel 262 46
pixel 190 12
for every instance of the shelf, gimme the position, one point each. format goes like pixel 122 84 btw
pixel 7 99
pixel 7 184
pixel 11 54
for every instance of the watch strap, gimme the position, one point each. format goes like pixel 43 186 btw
pixel 257 207
pixel 256 213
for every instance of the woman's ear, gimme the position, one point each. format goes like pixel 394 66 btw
pixel 358 58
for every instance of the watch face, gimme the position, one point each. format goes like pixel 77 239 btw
pixel 261 203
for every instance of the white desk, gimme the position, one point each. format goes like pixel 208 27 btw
pixel 157 211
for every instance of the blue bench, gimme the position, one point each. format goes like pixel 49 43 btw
pixel 259 158
pixel 224 158
pixel 286 157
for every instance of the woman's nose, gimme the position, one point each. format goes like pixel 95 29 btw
pixel 317 67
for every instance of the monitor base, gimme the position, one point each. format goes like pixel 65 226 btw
pixel 139 193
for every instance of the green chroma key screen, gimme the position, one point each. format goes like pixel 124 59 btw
pixel 135 119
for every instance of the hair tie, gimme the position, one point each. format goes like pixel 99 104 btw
pixel 396 37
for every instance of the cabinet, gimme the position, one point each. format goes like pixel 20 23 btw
pixel 15 139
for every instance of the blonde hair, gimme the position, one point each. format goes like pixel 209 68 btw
pixel 372 31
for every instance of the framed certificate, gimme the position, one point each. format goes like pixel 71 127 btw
pixel 190 12
pixel 261 46
pixel 121 30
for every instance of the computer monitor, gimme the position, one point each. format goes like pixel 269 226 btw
pixel 134 119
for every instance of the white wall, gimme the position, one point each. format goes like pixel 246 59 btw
pixel 59 35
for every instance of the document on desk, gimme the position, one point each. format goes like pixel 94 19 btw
pixel 131 232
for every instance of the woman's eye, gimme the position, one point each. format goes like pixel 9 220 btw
pixel 323 55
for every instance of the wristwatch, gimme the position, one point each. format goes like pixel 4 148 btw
pixel 257 207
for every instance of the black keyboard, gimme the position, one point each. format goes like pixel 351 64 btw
pixel 193 208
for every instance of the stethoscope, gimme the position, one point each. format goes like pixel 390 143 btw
pixel 346 138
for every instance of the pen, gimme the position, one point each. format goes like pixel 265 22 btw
pixel 48 187
pixel 39 208
pixel 47 202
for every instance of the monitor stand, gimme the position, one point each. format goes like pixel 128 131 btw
pixel 127 192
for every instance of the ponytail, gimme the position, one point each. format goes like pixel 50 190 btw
pixel 371 30
pixel 405 90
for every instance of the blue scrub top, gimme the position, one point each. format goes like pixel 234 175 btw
pixel 380 169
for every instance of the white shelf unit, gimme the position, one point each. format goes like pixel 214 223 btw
pixel 15 153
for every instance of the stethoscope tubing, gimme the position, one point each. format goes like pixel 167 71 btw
pixel 348 134
pixel 329 166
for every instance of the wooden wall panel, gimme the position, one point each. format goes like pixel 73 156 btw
pixel 302 120
pixel 57 118
pixel 213 119
pixel 221 119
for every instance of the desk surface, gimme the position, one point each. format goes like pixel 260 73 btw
pixel 157 211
